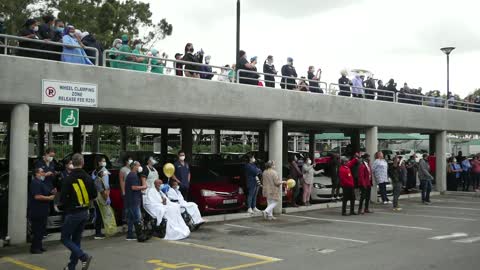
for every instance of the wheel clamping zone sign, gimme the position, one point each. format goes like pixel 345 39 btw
pixel 69 93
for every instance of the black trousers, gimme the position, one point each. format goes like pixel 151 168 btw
pixel 348 195
pixel 39 226
pixel 364 198
pixel 98 219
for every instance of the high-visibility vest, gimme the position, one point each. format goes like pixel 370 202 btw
pixel 82 194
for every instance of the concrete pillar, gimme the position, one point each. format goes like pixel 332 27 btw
pixel 50 134
pixel 164 143
pixel 40 139
pixel 18 180
pixel 94 145
pixel 77 139
pixel 187 141
pixel 371 141
pixel 217 142
pixel 276 153
pixel 261 141
pixel 431 143
pixel 355 140
pixel 284 143
pixel 311 145
pixel 123 138
pixel 441 161
pixel 295 143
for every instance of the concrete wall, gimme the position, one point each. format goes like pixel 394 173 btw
pixel 184 97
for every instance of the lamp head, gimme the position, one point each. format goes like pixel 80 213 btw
pixel 447 50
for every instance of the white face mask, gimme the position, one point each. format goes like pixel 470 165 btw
pixel 130 161
pixel 252 160
pixel 140 169
pixel 103 164
pixel 118 45
pixel 42 177
pixel 70 166
pixel 182 158
pixel 153 161
pixel 309 162
pixel 35 29
pixel 49 159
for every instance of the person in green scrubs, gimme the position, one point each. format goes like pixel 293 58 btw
pixel 113 54
pixel 157 65
pixel 141 62
pixel 125 48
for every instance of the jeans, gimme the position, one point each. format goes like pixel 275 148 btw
pixel 39 225
pixel 72 235
pixel 98 219
pixel 383 191
pixel 133 217
pixel 348 195
pixel 364 198
pixel 271 205
pixel 426 185
pixel 397 187
pixel 466 179
pixel 252 196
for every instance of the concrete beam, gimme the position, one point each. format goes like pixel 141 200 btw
pixel 18 180
pixel 441 161
pixel 276 152
pixel 371 145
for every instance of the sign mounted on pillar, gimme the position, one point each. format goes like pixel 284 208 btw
pixel 69 117
pixel 69 93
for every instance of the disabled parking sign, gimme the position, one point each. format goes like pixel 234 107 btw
pixel 69 117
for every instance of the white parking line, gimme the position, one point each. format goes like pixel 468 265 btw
pixel 450 207
pixel 300 234
pixel 427 216
pixel 450 236
pixel 468 240
pixel 457 201
pixel 364 223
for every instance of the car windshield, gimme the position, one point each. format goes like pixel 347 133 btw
pixel 203 175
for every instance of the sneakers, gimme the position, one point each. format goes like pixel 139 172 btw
pixel 99 236
pixel 265 214
pixel 256 210
pixel 385 202
pixel 272 218
pixel 86 262
pixel 250 211
pixel 131 238
pixel 397 209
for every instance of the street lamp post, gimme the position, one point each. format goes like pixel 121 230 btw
pixel 447 51
pixel 238 33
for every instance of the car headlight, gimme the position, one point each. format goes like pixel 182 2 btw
pixel 240 190
pixel 318 186
pixel 207 193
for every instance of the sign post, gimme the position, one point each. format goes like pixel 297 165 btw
pixel 69 117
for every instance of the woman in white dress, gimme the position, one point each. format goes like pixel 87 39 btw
pixel 175 196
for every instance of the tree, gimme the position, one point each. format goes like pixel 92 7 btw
pixel 16 13
pixel 110 19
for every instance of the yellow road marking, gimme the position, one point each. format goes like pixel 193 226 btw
pixel 22 264
pixel 263 259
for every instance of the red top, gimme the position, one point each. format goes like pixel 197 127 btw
pixel 345 174
pixel 365 175
pixel 432 163
pixel 476 166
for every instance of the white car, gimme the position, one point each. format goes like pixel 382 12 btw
pixel 322 188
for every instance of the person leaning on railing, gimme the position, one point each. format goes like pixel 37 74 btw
pixel 269 68
pixel 141 62
pixel 30 30
pixel 190 69
pixel 288 70
pixel 313 79
pixel 71 41
pixel 243 64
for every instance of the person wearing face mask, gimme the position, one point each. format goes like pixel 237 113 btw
pixel 182 174
pixel 296 175
pixel 46 30
pixel 100 177
pixel 175 196
pixel 269 68
pixel 30 30
pixel 252 172
pixel 313 79
pixel 134 185
pixel 243 64
pixel 125 58
pixel 365 181
pixel 113 54
pixel 39 206
pixel 141 61
pixel 191 69
pixel 57 34
pixel 89 40
pixel 73 51
pixel 157 65
pixel 255 76
pixel 150 172
pixel 122 176
pixel 308 174
pixel 271 188
pixel 48 164
pixel 454 171
pixel 290 75
pixel 208 75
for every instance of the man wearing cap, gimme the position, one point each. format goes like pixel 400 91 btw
pixel 347 183
pixel 269 68
pixel 288 70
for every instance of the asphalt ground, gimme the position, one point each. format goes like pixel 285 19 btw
pixel 444 235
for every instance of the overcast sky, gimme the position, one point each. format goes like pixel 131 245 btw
pixel 390 38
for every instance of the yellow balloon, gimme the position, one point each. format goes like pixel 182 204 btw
pixel 168 169
pixel 291 183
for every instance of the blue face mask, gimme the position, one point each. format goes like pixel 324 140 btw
pixel 59 29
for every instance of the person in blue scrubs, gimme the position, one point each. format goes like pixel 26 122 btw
pixel 48 164
pixel 182 174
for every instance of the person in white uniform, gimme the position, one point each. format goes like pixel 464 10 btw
pixel 158 205
pixel 176 196
pixel 150 172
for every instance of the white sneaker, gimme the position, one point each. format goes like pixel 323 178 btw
pixel 385 202
pixel 256 210
pixel 272 218
pixel 250 211
pixel 389 202
pixel 265 215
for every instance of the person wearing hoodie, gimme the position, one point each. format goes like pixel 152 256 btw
pixel 357 86
pixel 313 80
pixel 89 40
pixel 365 184
pixel 290 74
pixel 344 83
pixel 269 68
pixel 347 183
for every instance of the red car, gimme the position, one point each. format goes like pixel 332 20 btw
pixel 215 193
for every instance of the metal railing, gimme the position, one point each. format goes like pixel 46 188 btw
pixel 6 43
pixel 285 81
pixel 222 75
pixel 346 90
pixel 415 99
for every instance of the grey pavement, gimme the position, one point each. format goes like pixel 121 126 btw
pixel 444 235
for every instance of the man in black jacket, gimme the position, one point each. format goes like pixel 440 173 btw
pixel 289 71
pixel 344 83
pixel 269 68
pixel 89 40
pixel 78 190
